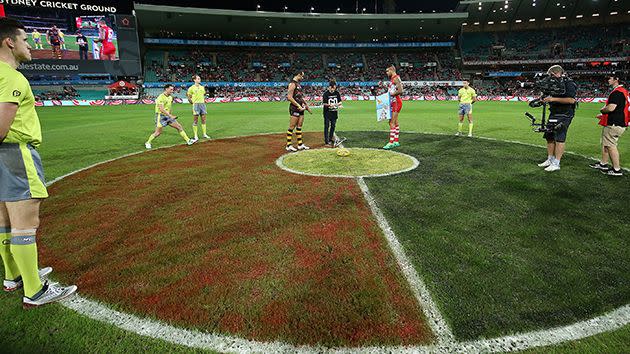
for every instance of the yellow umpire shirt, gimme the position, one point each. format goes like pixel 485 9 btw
pixel 197 94
pixel 166 101
pixel 14 88
pixel 466 95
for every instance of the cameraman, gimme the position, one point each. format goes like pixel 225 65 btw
pixel 561 110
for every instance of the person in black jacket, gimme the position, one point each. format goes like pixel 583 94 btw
pixel 82 42
pixel 331 100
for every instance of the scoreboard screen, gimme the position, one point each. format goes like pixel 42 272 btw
pixel 72 38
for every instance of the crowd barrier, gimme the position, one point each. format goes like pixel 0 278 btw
pixel 279 99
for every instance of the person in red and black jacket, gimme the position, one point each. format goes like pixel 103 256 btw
pixel 615 118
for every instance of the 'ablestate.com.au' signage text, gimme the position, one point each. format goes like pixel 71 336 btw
pixel 61 5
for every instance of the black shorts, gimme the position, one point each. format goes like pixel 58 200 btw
pixel 559 135
pixel 294 111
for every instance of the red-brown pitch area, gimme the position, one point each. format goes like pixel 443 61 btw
pixel 216 237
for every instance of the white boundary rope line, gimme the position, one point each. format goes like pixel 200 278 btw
pixel 155 329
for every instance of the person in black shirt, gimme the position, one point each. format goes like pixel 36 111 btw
pixel 614 118
pixel 562 109
pixel 83 46
pixel 331 100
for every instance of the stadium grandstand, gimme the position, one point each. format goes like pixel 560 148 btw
pixel 190 220
pixel 490 43
pixel 499 45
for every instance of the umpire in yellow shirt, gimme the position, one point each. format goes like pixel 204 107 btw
pixel 466 96
pixel 197 96
pixel 22 185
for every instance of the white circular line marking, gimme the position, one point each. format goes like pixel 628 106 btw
pixel 280 163
pixel 196 339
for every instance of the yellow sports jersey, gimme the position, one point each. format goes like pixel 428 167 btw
pixel 14 88
pixel 61 35
pixel 197 94
pixel 36 35
pixel 166 101
pixel 466 95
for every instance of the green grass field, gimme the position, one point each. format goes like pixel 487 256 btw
pixel 76 137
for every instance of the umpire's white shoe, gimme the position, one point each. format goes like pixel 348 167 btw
pixel 545 163
pixel 13 285
pixel 553 167
pixel 147 145
pixel 291 148
pixel 303 147
pixel 50 293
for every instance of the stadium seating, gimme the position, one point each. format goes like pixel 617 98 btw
pixel 587 42
pixel 426 64
pixel 247 65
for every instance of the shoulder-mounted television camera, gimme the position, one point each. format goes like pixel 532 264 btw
pixel 551 85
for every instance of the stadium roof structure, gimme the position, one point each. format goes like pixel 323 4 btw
pixel 491 14
pixel 365 27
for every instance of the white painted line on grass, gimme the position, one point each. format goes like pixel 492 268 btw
pixel 419 289
pixel 446 343
pixel 611 321
pixel 143 151
pixel 225 343
pixel 514 142
pixel 280 163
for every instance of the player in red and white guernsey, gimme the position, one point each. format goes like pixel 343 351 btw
pixel 395 91
pixel 106 37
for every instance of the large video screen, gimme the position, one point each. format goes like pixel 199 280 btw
pixel 74 38
pixel 93 38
